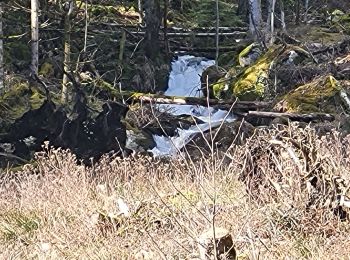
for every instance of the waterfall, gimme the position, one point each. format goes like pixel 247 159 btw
pixel 184 80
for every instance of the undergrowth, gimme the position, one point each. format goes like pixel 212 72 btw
pixel 283 194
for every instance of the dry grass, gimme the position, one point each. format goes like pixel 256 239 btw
pixel 261 192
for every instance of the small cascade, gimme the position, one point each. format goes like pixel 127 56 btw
pixel 185 81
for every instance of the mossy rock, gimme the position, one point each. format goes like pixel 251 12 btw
pixel 252 83
pixel 318 95
pixel 209 76
pixel 18 100
pixel 47 70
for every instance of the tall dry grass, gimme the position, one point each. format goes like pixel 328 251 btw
pixel 279 195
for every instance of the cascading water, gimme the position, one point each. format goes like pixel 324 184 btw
pixel 185 81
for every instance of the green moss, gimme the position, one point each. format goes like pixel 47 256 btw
pixel 244 53
pixel 47 70
pixel 220 89
pixel 251 85
pixel 18 100
pixel 312 96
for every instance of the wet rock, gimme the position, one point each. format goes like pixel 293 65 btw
pixel 230 133
pixel 209 76
pixel 139 141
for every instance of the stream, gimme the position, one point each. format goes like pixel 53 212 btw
pixel 184 80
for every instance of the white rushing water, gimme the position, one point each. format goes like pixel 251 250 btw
pixel 184 80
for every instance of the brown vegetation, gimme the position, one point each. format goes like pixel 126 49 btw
pixel 278 194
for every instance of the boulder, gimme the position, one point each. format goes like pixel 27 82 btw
pixel 321 94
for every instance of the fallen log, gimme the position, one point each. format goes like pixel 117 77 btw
pixel 292 116
pixel 222 104
pixel 208 49
pixel 174 34
pixel 178 29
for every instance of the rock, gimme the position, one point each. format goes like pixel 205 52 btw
pixel 139 141
pixel 318 95
pixel 209 76
pixel 253 82
pixel 222 241
pixel 235 132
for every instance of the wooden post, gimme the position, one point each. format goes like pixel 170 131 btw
pixel 223 244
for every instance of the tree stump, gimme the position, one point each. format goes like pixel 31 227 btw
pixel 223 242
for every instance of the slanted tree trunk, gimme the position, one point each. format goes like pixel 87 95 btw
pixel 255 17
pixel 67 51
pixel 2 87
pixel 152 19
pixel 35 36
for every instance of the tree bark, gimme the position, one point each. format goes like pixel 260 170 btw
pixel 254 17
pixel 242 8
pixel 217 32
pixel 165 28
pixel 67 52
pixel 35 36
pixel 271 20
pixel 2 87
pixel 152 19
pixel 283 21
pixel 139 7
pixel 306 10
pixel 297 12
pixel 223 104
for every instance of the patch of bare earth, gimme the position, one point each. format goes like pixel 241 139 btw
pixel 280 196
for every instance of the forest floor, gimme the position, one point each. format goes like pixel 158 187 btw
pixel 142 208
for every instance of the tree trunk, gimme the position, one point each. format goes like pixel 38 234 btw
pixel 35 36
pixel 67 53
pixel 152 19
pixel 271 20
pixel 139 7
pixel 217 33
pixel 242 8
pixel 297 12
pixel 2 89
pixel 165 24
pixel 283 21
pixel 255 17
pixel 306 10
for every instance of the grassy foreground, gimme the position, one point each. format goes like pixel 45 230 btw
pixel 276 195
